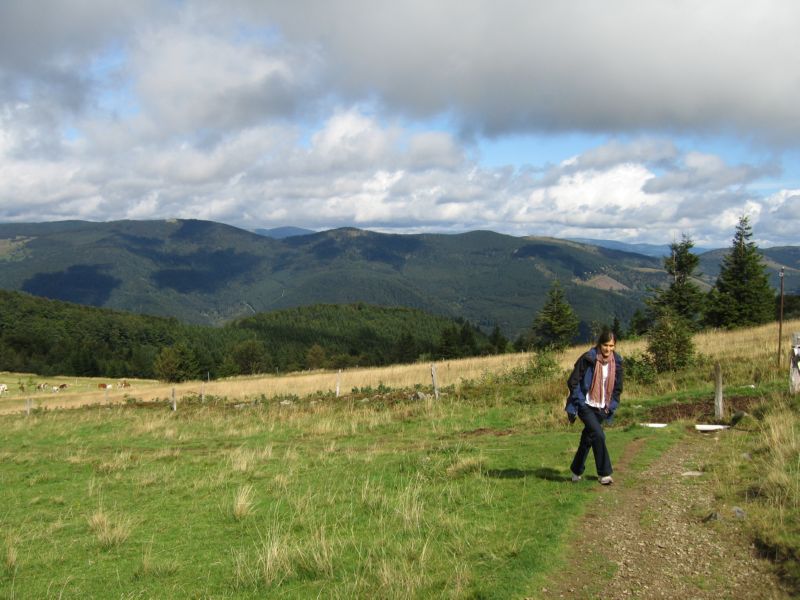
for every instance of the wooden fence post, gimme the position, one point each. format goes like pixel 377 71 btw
pixel 435 382
pixel 794 365
pixel 174 402
pixel 719 409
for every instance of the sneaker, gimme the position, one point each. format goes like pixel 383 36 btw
pixel 576 478
pixel 606 480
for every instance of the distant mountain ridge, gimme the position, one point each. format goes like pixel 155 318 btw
pixel 656 250
pixel 280 233
pixel 209 273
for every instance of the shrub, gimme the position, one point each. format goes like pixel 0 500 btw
pixel 670 343
pixel 540 367
pixel 640 368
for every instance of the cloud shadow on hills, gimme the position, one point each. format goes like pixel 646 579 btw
pixel 205 271
pixel 81 284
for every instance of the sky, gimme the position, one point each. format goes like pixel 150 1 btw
pixel 629 120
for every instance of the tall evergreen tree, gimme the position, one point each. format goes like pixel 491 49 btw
pixel 683 297
pixel 250 357
pixel 556 324
pixel 742 295
pixel 497 341
pixel 640 323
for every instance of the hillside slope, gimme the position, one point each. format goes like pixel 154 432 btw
pixel 209 273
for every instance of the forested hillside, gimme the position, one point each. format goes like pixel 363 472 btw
pixel 208 273
pixel 53 337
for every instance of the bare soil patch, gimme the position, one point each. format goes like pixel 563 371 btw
pixel 661 534
pixel 701 409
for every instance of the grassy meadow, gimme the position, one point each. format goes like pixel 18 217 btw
pixel 275 487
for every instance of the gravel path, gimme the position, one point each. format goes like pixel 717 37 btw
pixel 663 535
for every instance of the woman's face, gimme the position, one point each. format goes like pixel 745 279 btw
pixel 607 348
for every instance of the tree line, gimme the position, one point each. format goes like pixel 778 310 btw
pixel 50 337
pixel 740 297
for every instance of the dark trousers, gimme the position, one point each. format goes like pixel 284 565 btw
pixel 592 437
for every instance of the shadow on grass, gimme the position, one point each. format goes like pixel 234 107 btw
pixel 543 473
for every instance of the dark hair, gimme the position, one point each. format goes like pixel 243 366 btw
pixel 606 335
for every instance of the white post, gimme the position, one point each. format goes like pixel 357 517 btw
pixel 107 392
pixel 719 409
pixel 28 406
pixel 174 402
pixel 202 391
pixel 794 365
pixel 435 382
pixel 338 382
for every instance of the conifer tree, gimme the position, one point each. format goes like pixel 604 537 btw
pixel 497 341
pixel 670 342
pixel 742 295
pixel 250 357
pixel 556 324
pixel 640 323
pixel 683 297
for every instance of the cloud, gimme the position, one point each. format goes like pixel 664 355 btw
pixel 190 82
pixel 546 66
pixel 705 171
pixel 48 48
pixel 778 217
pixel 263 113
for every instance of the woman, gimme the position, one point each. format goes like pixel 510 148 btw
pixel 594 389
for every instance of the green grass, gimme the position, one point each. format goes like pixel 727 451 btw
pixel 370 495
pixel 759 471
pixel 335 500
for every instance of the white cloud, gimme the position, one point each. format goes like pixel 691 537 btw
pixel 704 171
pixel 190 82
pixel 622 65
pixel 434 149
pixel 270 113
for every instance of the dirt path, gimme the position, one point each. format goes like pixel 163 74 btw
pixel 660 534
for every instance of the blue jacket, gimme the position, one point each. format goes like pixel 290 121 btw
pixel 580 381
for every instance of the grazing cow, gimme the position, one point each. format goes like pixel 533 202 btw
pixel 104 386
pixel 41 387
pixel 123 384
pixel 3 388
pixel 62 386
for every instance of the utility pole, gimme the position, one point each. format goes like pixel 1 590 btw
pixel 780 320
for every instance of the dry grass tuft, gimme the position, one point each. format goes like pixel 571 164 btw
pixel 410 504
pixel 274 560
pixel 241 460
pixel 466 466
pixel 780 459
pixel 108 530
pixel 243 502
pixel 11 555
pixel 317 558
pixel 119 462
pixel 156 567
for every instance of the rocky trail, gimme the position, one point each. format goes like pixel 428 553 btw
pixel 661 534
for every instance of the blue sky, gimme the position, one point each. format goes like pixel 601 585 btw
pixel 626 120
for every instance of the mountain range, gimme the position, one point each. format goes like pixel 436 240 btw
pixel 210 273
